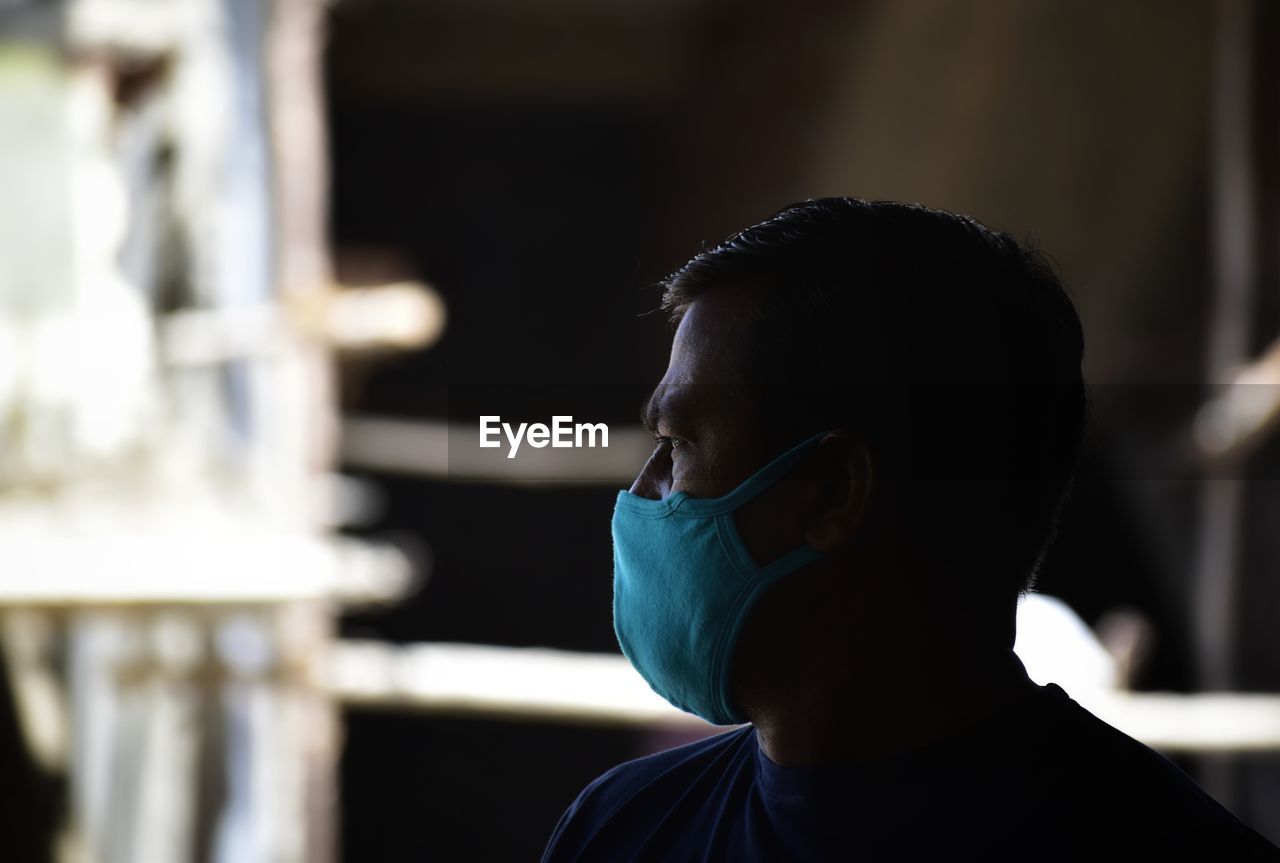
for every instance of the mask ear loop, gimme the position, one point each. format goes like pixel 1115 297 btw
pixel 762 576
pixel 769 574
pixel 758 482
pixel 722 662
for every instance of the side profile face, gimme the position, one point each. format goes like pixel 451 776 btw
pixel 833 333
pixel 712 435
pixel 710 429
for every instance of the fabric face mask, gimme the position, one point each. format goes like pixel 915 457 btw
pixel 683 584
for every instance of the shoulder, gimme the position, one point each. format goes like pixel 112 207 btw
pixel 614 788
pixel 1105 775
pixel 1089 750
pixel 630 783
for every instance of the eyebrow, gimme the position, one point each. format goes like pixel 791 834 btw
pixel 650 410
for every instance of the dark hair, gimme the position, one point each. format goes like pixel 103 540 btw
pixel 952 347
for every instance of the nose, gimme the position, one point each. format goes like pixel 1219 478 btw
pixel 654 480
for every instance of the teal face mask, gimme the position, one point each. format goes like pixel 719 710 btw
pixel 683 584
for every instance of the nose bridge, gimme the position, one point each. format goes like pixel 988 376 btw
pixel 654 480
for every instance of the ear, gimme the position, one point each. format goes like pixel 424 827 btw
pixel 846 475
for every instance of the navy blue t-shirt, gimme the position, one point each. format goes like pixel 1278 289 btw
pixel 1042 780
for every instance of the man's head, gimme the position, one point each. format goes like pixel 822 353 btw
pixel 943 356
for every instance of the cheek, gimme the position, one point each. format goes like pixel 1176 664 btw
pixel 774 523
pixel 699 471
pixel 788 627
pixel 695 478
pixel 717 464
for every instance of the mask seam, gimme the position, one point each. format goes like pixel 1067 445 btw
pixel 751 591
pixel 646 508
pixel 686 507
pixel 730 633
pixel 747 490
pixel 756 581
pixel 731 627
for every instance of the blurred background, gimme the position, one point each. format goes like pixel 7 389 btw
pixel 260 261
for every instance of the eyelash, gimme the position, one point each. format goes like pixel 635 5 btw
pixel 674 442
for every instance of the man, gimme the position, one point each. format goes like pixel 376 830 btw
pixel 871 415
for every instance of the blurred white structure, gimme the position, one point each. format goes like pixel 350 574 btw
pixel 1057 646
pixel 539 684
pixel 167 318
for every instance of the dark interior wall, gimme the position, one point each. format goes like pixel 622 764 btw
pixel 532 224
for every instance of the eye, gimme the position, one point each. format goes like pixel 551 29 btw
pixel 674 442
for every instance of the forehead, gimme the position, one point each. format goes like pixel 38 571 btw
pixel 710 339
pixel 703 394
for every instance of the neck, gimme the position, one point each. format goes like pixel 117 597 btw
pixel 907 701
